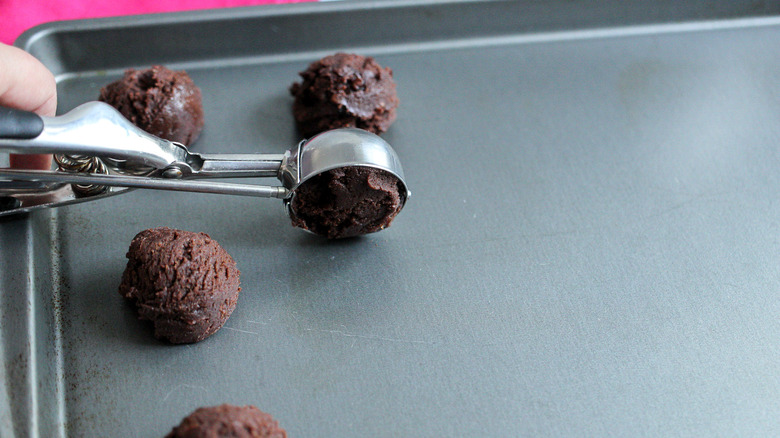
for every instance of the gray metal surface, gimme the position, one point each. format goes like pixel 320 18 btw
pixel 591 248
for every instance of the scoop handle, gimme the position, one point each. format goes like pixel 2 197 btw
pixel 93 129
pixel 19 125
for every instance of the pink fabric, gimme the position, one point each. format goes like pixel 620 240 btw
pixel 16 16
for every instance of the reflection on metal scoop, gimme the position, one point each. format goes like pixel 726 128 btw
pixel 132 158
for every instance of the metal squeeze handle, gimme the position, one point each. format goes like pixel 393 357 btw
pixel 97 129
pixel 18 124
pixel 93 129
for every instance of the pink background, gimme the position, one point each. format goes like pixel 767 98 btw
pixel 16 16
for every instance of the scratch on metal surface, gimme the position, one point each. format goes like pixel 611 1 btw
pixel 257 322
pixel 183 385
pixel 682 204
pixel 239 330
pixel 373 338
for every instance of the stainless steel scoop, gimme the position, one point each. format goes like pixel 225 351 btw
pixel 100 153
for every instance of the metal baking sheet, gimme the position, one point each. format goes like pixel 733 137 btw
pixel 591 247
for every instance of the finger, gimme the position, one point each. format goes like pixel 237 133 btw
pixel 30 161
pixel 27 84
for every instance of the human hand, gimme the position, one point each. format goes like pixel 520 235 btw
pixel 28 85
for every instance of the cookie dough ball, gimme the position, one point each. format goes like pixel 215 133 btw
pixel 344 90
pixel 160 101
pixel 185 283
pixel 347 202
pixel 228 421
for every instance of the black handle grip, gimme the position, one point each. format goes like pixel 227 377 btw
pixel 18 124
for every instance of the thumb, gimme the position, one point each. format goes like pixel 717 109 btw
pixel 25 83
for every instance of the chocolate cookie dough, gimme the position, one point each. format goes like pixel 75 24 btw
pixel 344 90
pixel 228 421
pixel 160 101
pixel 347 202
pixel 183 282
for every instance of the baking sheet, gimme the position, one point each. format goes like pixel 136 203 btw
pixel 590 248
